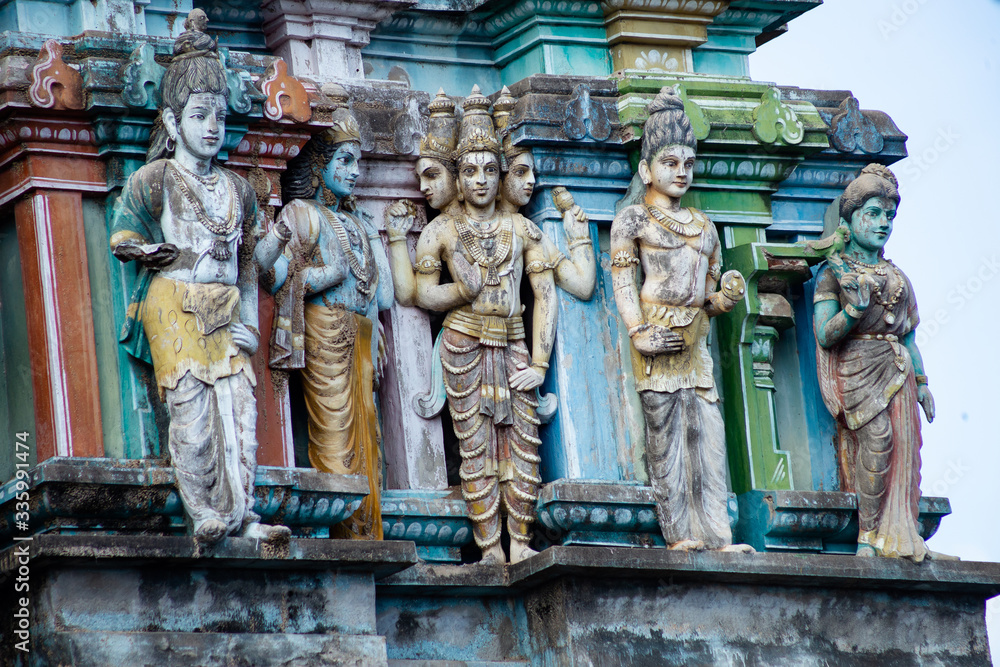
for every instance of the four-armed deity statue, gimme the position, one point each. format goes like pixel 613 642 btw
pixel 193 228
pixel 331 281
pixel 680 255
pixel 490 373
pixel 871 373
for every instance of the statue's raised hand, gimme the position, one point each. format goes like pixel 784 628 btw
pixel 576 224
pixel 654 340
pixel 399 218
pixel 468 276
pixel 858 288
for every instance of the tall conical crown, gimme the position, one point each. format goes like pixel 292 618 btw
pixel 503 110
pixel 442 129
pixel 477 133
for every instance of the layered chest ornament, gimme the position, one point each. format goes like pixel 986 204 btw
pixel 223 228
pixel 363 270
pixel 888 274
pixel 489 248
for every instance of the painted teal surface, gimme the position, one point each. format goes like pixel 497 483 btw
pixel 589 436
pixel 99 260
pixel 429 76
pixel 546 45
pixel 17 405
pixel 165 18
pixel 821 427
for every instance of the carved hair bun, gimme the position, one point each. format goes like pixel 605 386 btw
pixel 881 171
pixel 666 100
pixel 194 40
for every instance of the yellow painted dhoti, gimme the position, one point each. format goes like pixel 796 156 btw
pixel 343 430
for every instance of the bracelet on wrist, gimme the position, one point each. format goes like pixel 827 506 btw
pixel 396 237
pixel 921 380
pixel 284 239
pixel 576 243
pixel 853 311
pixel 638 329
pixel 541 364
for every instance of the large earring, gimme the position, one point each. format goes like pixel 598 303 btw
pixel 171 144
pixel 460 197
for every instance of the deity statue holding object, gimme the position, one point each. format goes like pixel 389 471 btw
pixel 668 323
pixel 331 281
pixel 578 274
pixel 193 311
pixel 871 373
pixel 490 374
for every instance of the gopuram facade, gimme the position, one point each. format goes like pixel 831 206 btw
pixel 441 333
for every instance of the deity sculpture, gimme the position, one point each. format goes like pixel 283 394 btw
pixel 193 227
pixel 668 323
pixel 330 283
pixel 577 276
pixel 871 373
pixel 489 373
pixel 436 166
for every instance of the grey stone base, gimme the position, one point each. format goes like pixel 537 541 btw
pixel 187 649
pixel 586 606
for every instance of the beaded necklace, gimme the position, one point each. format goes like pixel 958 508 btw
pixel 365 274
pixel 486 248
pixel 220 250
pixel 693 228
pixel 881 269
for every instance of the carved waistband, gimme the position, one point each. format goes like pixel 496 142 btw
pixel 491 330
pixel 887 337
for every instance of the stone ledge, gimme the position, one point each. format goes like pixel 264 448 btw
pixel 380 558
pixel 975 578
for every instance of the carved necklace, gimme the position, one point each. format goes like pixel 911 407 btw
pixel 489 249
pixel 693 228
pixel 220 250
pixel 881 269
pixel 364 273
pixel 209 181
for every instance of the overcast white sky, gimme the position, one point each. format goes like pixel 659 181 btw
pixel 934 67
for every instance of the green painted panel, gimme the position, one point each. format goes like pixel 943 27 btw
pixel 99 260
pixel 17 404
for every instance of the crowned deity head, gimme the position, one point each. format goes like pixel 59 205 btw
pixel 478 155
pixel 517 164
pixel 668 147
pixel 436 167
pixel 195 97
pixel 328 167
pixel 868 208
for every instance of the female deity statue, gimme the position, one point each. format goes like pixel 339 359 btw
pixel 871 373
pixel 668 322
pixel 490 374
pixel 193 314
pixel 330 283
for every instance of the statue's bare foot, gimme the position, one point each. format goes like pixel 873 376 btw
pixel 520 550
pixel 737 549
pixel 687 545
pixel 210 531
pixel 934 555
pixel 494 555
pixel 866 551
pixel 262 531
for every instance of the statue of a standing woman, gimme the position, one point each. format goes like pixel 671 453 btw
pixel 331 281
pixel 871 373
pixel 191 225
